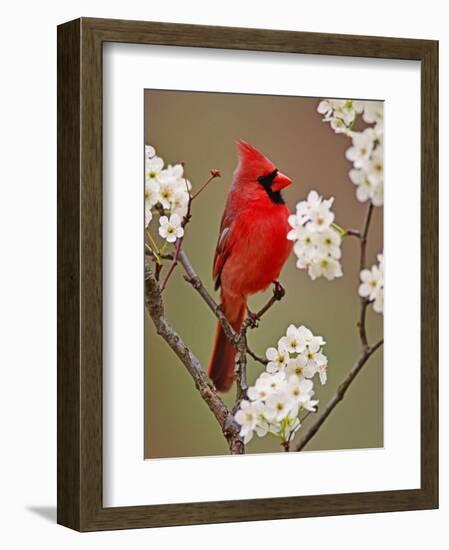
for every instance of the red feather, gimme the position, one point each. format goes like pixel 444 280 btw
pixel 251 250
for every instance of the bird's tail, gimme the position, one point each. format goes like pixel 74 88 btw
pixel 222 362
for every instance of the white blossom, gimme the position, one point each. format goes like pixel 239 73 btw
pixel 278 405
pixel 365 188
pixel 277 398
pixel 261 389
pixel 374 168
pixel 299 389
pixel 372 285
pixel 148 214
pixel 274 381
pixel 378 304
pixel 329 242
pixel 170 229
pixel 340 113
pixel 165 188
pixel 180 202
pixel 366 151
pixel 320 217
pixel 373 112
pixel 296 366
pixel 153 168
pixel 312 360
pixel 310 405
pixel 168 188
pixel 371 282
pixel 315 212
pixel 306 241
pixel 173 172
pixel 151 198
pixel 248 417
pixel 277 357
pixel 150 152
pixel 369 178
pixel 378 195
pixel 362 146
pixel 325 267
pixel 294 341
pixel 322 372
pixel 317 242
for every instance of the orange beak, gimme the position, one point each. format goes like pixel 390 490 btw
pixel 280 181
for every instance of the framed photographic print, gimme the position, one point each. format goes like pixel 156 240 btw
pixel 247 287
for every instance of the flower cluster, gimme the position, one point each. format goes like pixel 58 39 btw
pixel 285 387
pixel 372 284
pixel 340 113
pixel 366 151
pixel 317 242
pixel 166 191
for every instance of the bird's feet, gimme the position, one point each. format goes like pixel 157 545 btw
pixel 278 291
pixel 252 319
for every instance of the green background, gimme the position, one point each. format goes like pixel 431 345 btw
pixel 199 129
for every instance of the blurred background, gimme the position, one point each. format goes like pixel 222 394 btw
pixel 199 129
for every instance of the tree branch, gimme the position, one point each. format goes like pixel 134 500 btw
pixel 367 351
pixel 224 417
pixel 192 278
pixel 256 357
pixel 363 301
pixel 363 240
pixel 214 173
pixel 337 397
pixel 238 340
pixel 240 365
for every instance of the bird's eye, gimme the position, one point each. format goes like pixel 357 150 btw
pixel 267 179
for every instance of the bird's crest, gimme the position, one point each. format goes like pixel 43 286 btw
pixel 253 160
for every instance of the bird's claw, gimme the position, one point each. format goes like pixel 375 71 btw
pixel 278 291
pixel 252 319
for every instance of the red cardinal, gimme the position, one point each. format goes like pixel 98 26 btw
pixel 251 249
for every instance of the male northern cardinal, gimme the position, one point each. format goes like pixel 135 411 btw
pixel 251 250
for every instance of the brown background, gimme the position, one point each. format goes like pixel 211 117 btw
pixel 199 129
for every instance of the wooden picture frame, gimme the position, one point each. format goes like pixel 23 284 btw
pixel 80 351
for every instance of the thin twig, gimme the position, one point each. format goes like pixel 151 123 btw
pixel 149 252
pixel 253 318
pixel 362 323
pixel 256 357
pixel 337 397
pixel 226 420
pixel 213 174
pixel 353 233
pixel 363 301
pixel 173 264
pixel 363 240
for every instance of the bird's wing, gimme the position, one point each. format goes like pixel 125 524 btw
pixel 224 247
